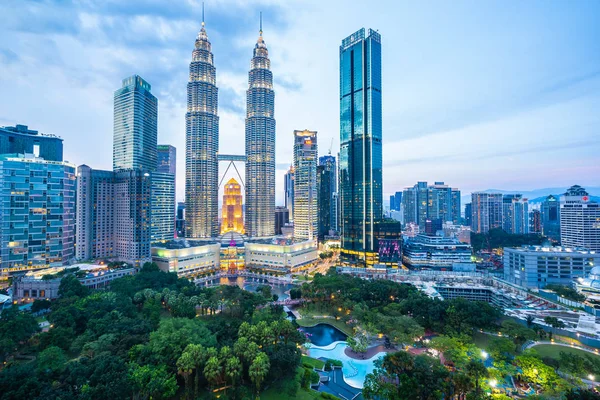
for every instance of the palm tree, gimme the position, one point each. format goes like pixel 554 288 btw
pixel 213 371
pixel 185 366
pixel 259 370
pixel 199 356
pixel 476 370
pixel 529 321
pixel 233 369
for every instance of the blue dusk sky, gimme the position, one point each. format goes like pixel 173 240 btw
pixel 479 94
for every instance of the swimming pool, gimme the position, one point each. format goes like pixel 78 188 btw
pixel 323 334
pixel 355 371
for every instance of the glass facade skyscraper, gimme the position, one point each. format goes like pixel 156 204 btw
pixel 37 212
pixel 288 189
pixel 167 155
pixel 360 142
pixel 260 144
pixel 202 143
pixel 327 199
pixel 20 139
pixel 135 126
pixel 163 207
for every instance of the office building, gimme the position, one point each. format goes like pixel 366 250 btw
pixel 114 214
pixel 288 189
pixel 550 209
pixel 468 213
pixel 360 159
pixel 396 201
pixel 282 217
pixel 305 185
pixel 280 255
pixel 486 211
pixel 579 220
pixel 435 252
pixel 135 126
pixel 37 213
pixel 232 213
pixel 260 144
pixel 180 220
pixel 202 143
pixel 327 197
pixel 424 202
pixel 515 214
pixel 535 221
pixel 167 159
pixel 536 266
pixel 20 139
pixel 162 201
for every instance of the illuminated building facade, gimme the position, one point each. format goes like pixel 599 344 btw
pixel 37 212
pixel 305 185
pixel 579 219
pixel 360 160
pixel 260 144
pixel 486 211
pixel 233 217
pixel 202 144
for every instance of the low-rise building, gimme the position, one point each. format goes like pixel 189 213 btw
pixel 281 254
pixel 435 252
pixel 538 266
pixel 44 283
pixel 188 258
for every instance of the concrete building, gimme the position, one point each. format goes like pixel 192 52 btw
pixel 435 252
pixel 515 214
pixel 306 217
pixel 20 139
pixel 579 220
pixel 424 202
pixel 188 258
pixel 232 214
pixel 535 221
pixel 260 144
pixel 486 211
pixel 114 215
pixel 44 284
pixel 280 255
pixel 536 266
pixel 37 213
pixel 162 202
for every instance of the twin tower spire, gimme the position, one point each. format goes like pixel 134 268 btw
pixel 202 143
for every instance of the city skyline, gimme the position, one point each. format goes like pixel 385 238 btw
pixel 491 90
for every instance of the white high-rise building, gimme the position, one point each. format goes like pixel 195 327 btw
pixel 305 185
pixel 579 220
pixel 260 144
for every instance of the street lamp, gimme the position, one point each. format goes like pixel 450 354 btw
pixel 493 383
pixel 591 377
pixel 484 355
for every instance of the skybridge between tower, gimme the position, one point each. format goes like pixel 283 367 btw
pixel 232 159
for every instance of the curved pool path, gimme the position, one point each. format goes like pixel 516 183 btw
pixel 371 351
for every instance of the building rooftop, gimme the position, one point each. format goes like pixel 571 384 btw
pixel 550 249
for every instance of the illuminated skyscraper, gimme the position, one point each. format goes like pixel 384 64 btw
pixel 288 188
pixel 260 144
pixel 202 144
pixel 233 217
pixel 360 143
pixel 305 185
pixel 135 126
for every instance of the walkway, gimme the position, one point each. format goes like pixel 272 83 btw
pixel 533 344
pixel 338 387
pixel 371 351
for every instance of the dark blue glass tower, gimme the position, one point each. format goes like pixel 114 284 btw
pixel 360 144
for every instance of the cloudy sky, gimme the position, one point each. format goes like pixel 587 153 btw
pixel 479 94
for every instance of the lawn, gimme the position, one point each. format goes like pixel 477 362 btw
pixel 311 321
pixel 481 340
pixel 275 394
pixel 313 362
pixel 553 351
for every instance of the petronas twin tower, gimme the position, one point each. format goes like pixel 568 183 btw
pixel 202 144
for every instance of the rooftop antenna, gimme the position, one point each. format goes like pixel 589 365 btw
pixel 330 146
pixel 203 14
pixel 261 23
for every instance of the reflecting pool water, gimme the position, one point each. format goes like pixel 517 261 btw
pixel 323 334
pixel 355 371
pixel 251 284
